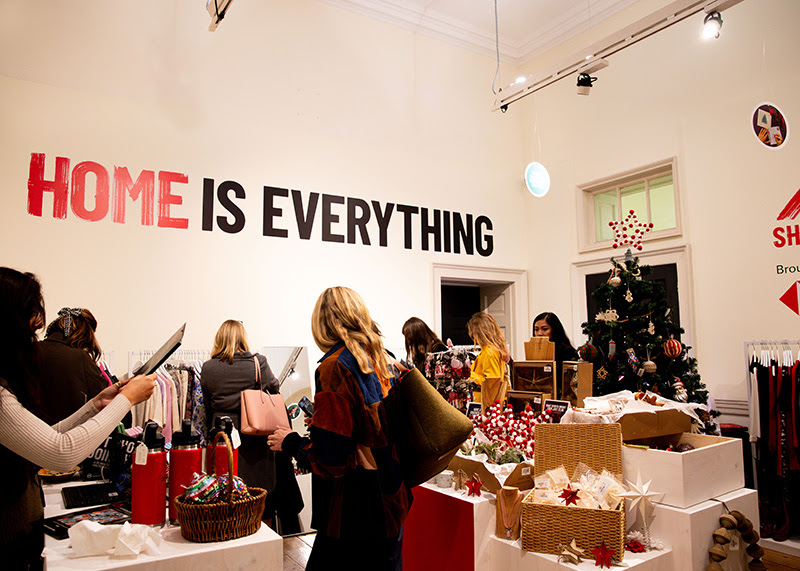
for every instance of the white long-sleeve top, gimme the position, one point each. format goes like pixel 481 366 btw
pixel 64 445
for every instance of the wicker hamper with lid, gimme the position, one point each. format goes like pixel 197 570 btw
pixel 545 527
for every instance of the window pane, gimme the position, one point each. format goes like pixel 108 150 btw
pixel 633 197
pixel 662 203
pixel 605 210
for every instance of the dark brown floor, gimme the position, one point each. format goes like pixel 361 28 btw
pixel 779 562
pixel 297 548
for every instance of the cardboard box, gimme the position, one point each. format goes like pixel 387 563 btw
pixel 639 425
pixel 534 376
pixel 576 381
pixel 520 399
pixel 521 477
pixel 714 467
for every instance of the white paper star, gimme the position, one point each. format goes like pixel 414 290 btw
pixel 641 496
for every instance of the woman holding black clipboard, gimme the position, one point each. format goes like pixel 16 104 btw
pixel 27 443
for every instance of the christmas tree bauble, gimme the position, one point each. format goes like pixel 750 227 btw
pixel 672 348
pixel 649 367
pixel 615 281
pixel 588 352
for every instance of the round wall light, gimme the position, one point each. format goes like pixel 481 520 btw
pixel 537 179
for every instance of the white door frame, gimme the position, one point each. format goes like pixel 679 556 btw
pixel 451 274
pixel 678 255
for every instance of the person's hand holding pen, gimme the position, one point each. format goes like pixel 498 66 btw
pixel 136 390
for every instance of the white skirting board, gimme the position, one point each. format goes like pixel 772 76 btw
pixel 789 547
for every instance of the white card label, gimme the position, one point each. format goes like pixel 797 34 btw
pixel 734 544
pixel 140 455
pixel 236 440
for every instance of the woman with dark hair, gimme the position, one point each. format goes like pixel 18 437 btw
pixel 69 374
pixel 420 340
pixel 548 325
pixel 232 369
pixel 28 443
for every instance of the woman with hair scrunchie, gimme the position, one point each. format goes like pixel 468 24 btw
pixel 69 374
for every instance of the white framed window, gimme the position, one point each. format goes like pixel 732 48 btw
pixel 651 191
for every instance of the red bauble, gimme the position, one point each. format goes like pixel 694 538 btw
pixel 672 348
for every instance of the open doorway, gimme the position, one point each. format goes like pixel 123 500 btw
pixel 460 302
pixel 461 291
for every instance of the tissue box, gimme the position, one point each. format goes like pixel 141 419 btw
pixel 521 477
pixel 714 467
pixel 639 425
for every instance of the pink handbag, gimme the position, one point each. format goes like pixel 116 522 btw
pixel 262 412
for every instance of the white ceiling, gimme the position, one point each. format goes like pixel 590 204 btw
pixel 527 28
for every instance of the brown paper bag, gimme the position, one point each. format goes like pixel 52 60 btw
pixel 493 389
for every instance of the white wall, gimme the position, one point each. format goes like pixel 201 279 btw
pixel 291 93
pixel 676 95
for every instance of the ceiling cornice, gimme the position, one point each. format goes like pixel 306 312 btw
pixel 411 16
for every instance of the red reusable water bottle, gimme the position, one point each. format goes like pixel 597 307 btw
pixel 149 479
pixel 220 467
pixel 185 459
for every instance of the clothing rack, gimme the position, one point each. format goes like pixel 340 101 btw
pixel 772 357
pixel 778 350
pixel 137 358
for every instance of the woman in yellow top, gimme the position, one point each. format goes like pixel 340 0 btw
pixel 491 361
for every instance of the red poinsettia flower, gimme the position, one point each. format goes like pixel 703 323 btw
pixel 474 486
pixel 603 556
pixel 570 496
pixel 635 546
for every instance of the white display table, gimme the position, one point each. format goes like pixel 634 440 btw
pixel 262 550
pixel 447 530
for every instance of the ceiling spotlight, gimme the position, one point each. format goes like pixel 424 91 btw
pixel 711 25
pixel 585 82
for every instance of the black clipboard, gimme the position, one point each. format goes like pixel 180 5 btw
pixel 162 354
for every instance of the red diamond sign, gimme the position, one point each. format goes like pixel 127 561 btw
pixel 792 297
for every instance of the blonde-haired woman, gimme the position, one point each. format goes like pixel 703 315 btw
pixel 359 498
pixel 491 361
pixel 232 369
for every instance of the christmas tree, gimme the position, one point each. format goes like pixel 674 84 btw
pixel 635 345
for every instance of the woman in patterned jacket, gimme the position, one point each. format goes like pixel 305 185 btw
pixel 359 499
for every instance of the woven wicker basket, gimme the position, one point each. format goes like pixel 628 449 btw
pixel 545 527
pixel 220 521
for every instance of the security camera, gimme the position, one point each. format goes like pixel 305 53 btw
pixel 585 83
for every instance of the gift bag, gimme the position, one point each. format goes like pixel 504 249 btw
pixel 493 389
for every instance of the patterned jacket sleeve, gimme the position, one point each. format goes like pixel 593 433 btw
pixel 330 450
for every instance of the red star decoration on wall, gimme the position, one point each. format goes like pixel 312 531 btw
pixel 570 496
pixel 629 231
pixel 474 486
pixel 603 556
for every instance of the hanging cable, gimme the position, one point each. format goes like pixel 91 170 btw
pixel 497 47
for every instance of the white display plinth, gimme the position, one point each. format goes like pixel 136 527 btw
pixel 510 555
pixel 688 530
pixel 261 550
pixel 714 467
